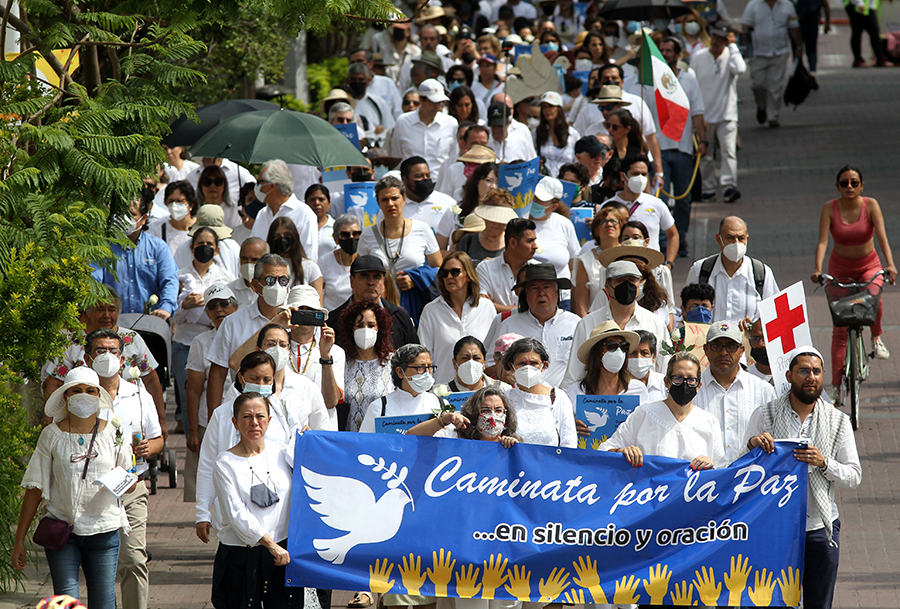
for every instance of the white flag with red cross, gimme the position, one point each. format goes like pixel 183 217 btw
pixel 785 327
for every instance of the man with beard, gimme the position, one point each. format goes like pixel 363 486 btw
pixel 832 459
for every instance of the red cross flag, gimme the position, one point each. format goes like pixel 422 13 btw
pixel 785 327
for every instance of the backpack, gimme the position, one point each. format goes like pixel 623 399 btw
pixel 759 272
pixel 798 86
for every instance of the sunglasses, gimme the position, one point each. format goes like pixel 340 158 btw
pixel 730 347
pixel 612 127
pixel 340 120
pixel 851 183
pixel 212 181
pixel 607 107
pixel 272 279
pixel 450 272
pixel 348 235
pixel 410 102
pixel 217 304
pixel 612 345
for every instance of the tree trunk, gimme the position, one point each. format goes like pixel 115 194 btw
pixel 295 68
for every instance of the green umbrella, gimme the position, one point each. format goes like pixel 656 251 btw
pixel 294 137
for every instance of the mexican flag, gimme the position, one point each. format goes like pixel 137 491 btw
pixel 672 107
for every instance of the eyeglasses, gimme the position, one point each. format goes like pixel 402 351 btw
pixel 102 350
pixel 274 343
pixel 271 279
pixel 609 222
pixel 422 369
pixel 212 305
pixel 730 347
pixel 692 381
pixel 851 183
pixel 344 234
pixel 805 372
pixel 497 410
pixel 181 200
pixel 341 120
pixel 411 102
pixel 607 107
pixel 450 272
pixel 612 127
pixel 460 81
pixel 212 181
pixel 612 345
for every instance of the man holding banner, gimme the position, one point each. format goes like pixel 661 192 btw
pixel 832 460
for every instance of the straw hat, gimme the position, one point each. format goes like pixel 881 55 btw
pixel 496 213
pixel 633 249
pixel 610 94
pixel 472 224
pixel 431 12
pixel 604 331
pixel 479 154
pixel 211 216
pixel 337 95
pixel 82 375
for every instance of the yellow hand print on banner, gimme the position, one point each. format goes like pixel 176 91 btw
pixel 736 581
pixel 790 587
pixel 467 584
pixel 707 588
pixel 761 592
pixel 684 595
pixel 574 596
pixel 378 578
pixel 412 575
pixel 442 573
pixel 494 575
pixel 582 442
pixel 625 591
pixel 555 585
pixel 588 578
pixel 519 585
pixel 595 444
pixel 658 585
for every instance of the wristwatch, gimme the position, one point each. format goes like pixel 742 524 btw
pixel 669 264
pixel 326 362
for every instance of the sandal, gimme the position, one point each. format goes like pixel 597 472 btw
pixel 359 602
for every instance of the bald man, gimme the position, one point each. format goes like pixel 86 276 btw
pixel 739 280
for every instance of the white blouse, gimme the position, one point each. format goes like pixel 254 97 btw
pixel 244 522
pixel 440 328
pixel 189 323
pixel 336 278
pixel 541 421
pixel 92 509
pixel 399 403
pixel 419 243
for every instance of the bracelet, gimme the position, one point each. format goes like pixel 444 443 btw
pixel 703 142
pixel 669 264
pixel 750 443
pixel 326 362
pixel 440 419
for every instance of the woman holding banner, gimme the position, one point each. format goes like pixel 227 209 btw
pixel 486 415
pixel 674 427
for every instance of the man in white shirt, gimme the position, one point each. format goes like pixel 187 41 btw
pixel 540 317
pixel 396 47
pixel 773 24
pixel 832 460
pixel 760 367
pixel 740 282
pixel 275 188
pixel 486 84
pixel 252 249
pixel 718 68
pixel 453 173
pixel 593 154
pixel 727 391
pixel 236 175
pixel 426 132
pixel 377 113
pixel 622 278
pixel 497 276
pixel 423 202
pixel 382 86
pixel 510 145
pixel 520 8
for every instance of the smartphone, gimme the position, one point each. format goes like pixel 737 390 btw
pixel 308 318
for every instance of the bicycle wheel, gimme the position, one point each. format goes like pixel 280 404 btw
pixel 852 378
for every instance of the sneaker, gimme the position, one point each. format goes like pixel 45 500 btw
pixel 835 396
pixel 731 194
pixel 774 124
pixel 881 350
pixel 859 63
pixel 760 115
pixel 708 196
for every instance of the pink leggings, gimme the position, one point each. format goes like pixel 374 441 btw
pixel 857 269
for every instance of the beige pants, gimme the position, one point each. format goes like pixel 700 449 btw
pixel 191 460
pixel 134 576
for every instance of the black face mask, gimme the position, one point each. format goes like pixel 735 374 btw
pixel 625 293
pixel 281 245
pixel 360 176
pixel 759 354
pixel 423 188
pixel 204 253
pixel 348 246
pixel 399 34
pixel 357 89
pixel 682 394
pixel 467 57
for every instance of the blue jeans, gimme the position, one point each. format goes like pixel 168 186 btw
pixel 98 556
pixel 820 566
pixel 179 375
pixel 678 167
pixel 809 28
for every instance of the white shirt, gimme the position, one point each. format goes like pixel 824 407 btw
pixel 755 371
pixel 304 363
pixel 191 322
pixel 135 408
pixel 242 293
pixel 770 26
pixel 736 297
pixel 656 387
pixel 440 328
pixel 718 82
pixel 695 103
pixel 544 421
pixel 652 212
pixel 430 210
pixel 654 429
pixel 237 176
pixel 399 403
pixel 174 174
pixel 229 256
pixel 234 332
pixel 556 335
pixel 558 242
pixel 377 112
pixel 336 280
pixel 519 146
pixel 197 362
pixel 173 236
pixel 449 223
pixel 555 157
pixel 326 236
pixel 483 94
pixel 303 218
pixel 590 119
pixel 733 407
pixel 642 319
pixel 452 179
pixel 497 280
pixel 244 522
pixel 419 243
pixel 305 176
pixel 522 9
pixel 843 469
pixel 386 89
pixel 435 142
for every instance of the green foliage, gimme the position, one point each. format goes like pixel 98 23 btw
pixel 325 76
pixel 320 15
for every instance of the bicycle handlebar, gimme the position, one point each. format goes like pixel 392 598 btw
pixel 828 279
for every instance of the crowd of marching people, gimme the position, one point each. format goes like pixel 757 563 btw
pixel 289 311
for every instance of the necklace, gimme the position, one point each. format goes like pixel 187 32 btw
pixel 387 248
pixel 296 367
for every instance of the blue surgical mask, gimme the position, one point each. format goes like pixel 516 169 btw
pixel 453 84
pixel 380 172
pixel 677 28
pixel 538 211
pixel 264 390
pixel 632 26
pixel 699 315
pixel 552 46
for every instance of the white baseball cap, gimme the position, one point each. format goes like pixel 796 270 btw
pixel 217 291
pixel 433 90
pixel 548 189
pixel 305 296
pixel 553 98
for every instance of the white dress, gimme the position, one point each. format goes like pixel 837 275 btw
pixel 542 420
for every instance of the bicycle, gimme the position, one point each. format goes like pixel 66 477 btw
pixel 853 305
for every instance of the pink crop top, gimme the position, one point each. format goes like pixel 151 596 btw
pixel 857 233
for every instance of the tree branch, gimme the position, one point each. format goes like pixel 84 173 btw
pixel 25 30
pixel 417 12
pixel 6 12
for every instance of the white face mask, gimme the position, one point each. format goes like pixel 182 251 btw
pixel 470 372
pixel 365 338
pixel 534 123
pixel 639 367
pixel 107 365
pixel 491 425
pixel 692 28
pixel 275 295
pixel 735 251
pixel 260 195
pixel 583 65
pixel 420 383
pixel 247 271
pixel 529 376
pixel 280 355
pixel 128 224
pixel 637 184
pixel 614 360
pixel 83 405
pixel 178 211
pixel 611 41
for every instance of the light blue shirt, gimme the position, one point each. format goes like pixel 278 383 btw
pixel 143 270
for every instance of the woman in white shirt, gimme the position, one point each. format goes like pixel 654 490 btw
pixel 319 200
pixel 487 415
pixel 284 240
pixel 555 233
pixel 635 229
pixel 673 427
pixel 640 365
pixel 478 185
pixel 590 275
pixel 554 139
pixel 413 375
pixel 469 361
pixel 253 487
pixel 460 311
pixel 545 414
pixel 335 264
pixel 181 201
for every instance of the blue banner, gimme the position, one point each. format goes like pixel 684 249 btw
pixel 582 217
pixel 583 76
pixel 350 131
pixel 359 199
pixel 602 414
pixel 470 519
pixel 520 179
pixel 399 424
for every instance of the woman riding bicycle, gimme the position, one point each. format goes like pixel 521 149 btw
pixel 853 220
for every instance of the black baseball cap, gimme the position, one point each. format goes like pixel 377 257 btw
pixel 498 115
pixel 367 263
pixel 589 144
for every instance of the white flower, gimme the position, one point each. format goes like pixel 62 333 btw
pixel 456 209
pixel 442 391
pixel 153 299
pixel 539 250
pixel 116 422
pixel 134 373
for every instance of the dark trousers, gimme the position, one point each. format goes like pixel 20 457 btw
pixel 678 167
pixel 860 23
pixel 820 567
pixel 247 578
pixel 810 31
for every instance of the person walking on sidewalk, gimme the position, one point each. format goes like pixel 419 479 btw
pixel 808 14
pixel 863 16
